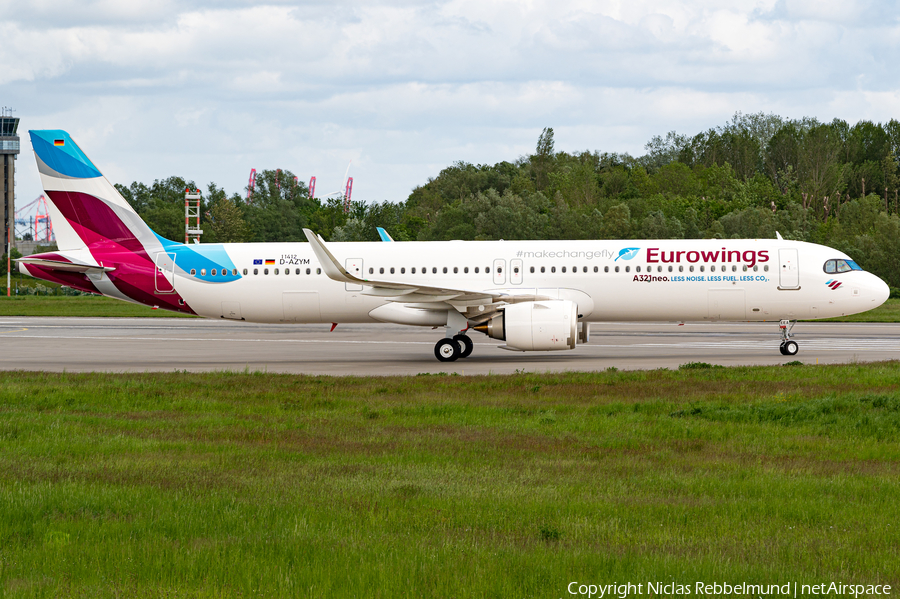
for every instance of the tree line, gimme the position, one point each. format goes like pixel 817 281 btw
pixel 829 183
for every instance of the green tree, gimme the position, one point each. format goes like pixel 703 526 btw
pixel 226 222
pixel 542 161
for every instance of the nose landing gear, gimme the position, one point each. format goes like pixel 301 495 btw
pixel 788 347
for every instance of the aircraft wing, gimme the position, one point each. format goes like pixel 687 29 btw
pixel 422 296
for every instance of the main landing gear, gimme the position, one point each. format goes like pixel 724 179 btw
pixel 788 347
pixel 456 344
pixel 450 349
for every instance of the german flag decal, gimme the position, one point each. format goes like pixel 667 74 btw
pixel 59 142
pixel 269 262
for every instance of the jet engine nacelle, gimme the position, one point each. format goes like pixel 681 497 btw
pixel 536 326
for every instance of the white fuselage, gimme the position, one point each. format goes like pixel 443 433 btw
pixel 676 280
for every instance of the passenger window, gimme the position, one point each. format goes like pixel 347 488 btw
pixel 308 271
pixel 617 269
pixel 202 272
pixel 564 269
pixel 265 271
pixel 755 268
pixel 605 269
pixel 455 270
pixel 445 270
pixel 691 268
pixel 287 271
pixel 256 271
pixel 412 270
pixel 670 268
pixel 276 271
pixel 702 268
pixel 516 270
pixel 637 269
pixel 680 268
pixel 245 271
pixel 543 269
pixel 585 269
pixel 194 271
pixel 659 269
pixel 297 272
pixel 712 268
pixel 381 270
pixel 627 269
pixel 403 270
pixel 766 268
pixel 734 268
pixel 532 270
pixel 476 270
pixel 318 271
pixel 487 270
pixel 214 273
pixel 371 271
pixel 234 272
pixel 466 270
pixel 392 270
pixel 596 269
pixel 745 268
pixel 499 270
pixel 552 269
pixel 434 270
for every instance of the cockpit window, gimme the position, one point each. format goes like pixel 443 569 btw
pixel 840 265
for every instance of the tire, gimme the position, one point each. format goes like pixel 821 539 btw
pixel 791 348
pixel 465 344
pixel 781 349
pixel 447 350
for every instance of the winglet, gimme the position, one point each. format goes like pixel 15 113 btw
pixel 329 263
pixel 385 236
pixel 778 236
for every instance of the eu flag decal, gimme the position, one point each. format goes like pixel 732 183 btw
pixel 255 262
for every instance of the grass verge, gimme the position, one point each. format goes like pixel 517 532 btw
pixel 90 306
pixel 232 484
pixel 97 306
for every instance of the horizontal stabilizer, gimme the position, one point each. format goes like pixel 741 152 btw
pixel 64 266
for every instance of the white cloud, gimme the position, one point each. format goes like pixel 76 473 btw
pixel 208 90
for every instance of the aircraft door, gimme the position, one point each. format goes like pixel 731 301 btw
pixel 499 271
pixel 355 267
pixel 788 269
pixel 164 275
pixel 515 271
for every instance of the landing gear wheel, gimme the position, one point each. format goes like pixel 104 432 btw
pixel 465 344
pixel 790 348
pixel 781 349
pixel 447 350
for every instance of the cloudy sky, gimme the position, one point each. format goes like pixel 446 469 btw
pixel 209 90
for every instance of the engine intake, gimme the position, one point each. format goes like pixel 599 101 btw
pixel 536 326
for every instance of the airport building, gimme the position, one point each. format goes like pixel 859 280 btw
pixel 9 150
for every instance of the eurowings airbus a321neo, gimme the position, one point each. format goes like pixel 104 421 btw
pixel 534 295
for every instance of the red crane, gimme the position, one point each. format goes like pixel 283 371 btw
pixel 347 193
pixel 251 184
pixel 40 227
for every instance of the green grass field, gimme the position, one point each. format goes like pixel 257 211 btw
pixel 96 306
pixel 82 305
pixel 229 484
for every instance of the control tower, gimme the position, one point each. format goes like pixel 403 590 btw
pixel 9 150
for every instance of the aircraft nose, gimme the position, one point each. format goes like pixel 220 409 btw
pixel 881 291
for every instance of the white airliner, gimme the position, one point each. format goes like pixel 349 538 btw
pixel 534 295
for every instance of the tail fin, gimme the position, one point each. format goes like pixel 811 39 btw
pixel 86 210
